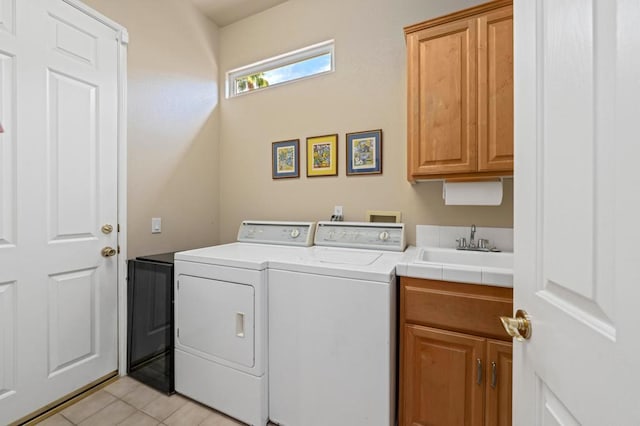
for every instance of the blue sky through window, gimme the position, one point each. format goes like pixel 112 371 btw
pixel 309 61
pixel 305 68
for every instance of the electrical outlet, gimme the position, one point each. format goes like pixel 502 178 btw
pixel 337 211
pixel 156 225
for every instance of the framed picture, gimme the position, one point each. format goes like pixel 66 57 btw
pixel 322 155
pixel 285 159
pixel 364 152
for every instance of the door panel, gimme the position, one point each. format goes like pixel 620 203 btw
pixel 72 158
pixel 442 95
pixel 72 319
pixel 71 41
pixel 7 152
pixel 568 84
pixel 440 377
pixel 554 413
pixel 216 319
pixel 7 20
pixel 576 209
pixel 499 384
pixel 495 90
pixel 7 339
pixel 444 116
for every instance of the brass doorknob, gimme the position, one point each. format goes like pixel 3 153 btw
pixel 107 229
pixel 109 251
pixel 518 327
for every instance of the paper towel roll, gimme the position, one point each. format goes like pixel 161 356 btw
pixel 472 193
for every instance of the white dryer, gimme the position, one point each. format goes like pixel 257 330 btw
pixel 332 328
pixel 221 317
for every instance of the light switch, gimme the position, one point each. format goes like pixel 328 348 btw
pixel 156 225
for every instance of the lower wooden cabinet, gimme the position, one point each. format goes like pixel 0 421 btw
pixel 451 377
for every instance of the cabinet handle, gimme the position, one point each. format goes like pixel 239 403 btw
pixel 494 374
pixel 478 371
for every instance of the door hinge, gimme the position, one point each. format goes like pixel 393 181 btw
pixel 178 332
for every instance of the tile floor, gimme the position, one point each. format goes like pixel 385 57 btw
pixel 128 402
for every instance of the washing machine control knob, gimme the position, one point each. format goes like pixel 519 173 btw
pixel 295 233
pixel 384 236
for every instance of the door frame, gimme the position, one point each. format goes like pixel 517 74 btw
pixel 122 37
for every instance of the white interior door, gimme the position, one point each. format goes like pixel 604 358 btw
pixel 58 187
pixel 577 211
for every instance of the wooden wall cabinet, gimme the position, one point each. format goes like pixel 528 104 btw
pixel 460 94
pixel 455 358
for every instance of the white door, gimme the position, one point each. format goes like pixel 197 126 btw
pixel 58 187
pixel 577 211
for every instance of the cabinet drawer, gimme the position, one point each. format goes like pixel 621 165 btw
pixel 467 308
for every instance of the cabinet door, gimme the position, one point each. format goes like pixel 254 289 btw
pixel 498 384
pixel 495 90
pixel 442 99
pixel 440 378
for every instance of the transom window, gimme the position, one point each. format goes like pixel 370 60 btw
pixel 303 63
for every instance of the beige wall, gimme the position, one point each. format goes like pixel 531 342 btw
pixel 203 163
pixel 173 128
pixel 366 92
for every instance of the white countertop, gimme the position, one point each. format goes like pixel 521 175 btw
pixel 411 266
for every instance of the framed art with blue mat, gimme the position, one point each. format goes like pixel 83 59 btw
pixel 285 159
pixel 364 153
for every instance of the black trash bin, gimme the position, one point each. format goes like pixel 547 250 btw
pixel 150 321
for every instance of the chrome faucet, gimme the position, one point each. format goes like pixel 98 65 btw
pixel 472 242
pixel 482 244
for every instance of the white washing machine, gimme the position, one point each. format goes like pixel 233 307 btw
pixel 221 317
pixel 332 328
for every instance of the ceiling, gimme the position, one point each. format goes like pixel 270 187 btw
pixel 225 12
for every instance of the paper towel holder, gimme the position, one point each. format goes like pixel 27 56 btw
pixel 473 191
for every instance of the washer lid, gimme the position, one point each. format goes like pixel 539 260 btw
pixel 369 265
pixel 344 257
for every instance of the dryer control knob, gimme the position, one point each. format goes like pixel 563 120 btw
pixel 384 236
pixel 295 233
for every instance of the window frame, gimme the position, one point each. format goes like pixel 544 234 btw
pixel 279 61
